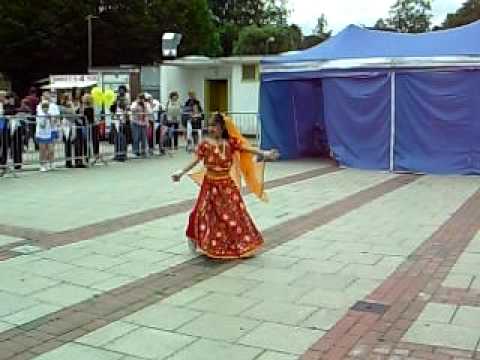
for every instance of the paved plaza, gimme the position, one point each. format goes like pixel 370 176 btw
pixel 356 265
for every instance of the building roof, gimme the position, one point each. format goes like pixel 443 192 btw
pixel 199 61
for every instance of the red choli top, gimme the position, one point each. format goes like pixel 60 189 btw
pixel 215 158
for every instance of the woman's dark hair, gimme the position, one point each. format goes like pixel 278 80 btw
pixel 219 120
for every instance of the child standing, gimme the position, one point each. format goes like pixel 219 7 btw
pixel 43 135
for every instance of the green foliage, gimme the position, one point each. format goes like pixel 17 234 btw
pixel 467 13
pixel 47 37
pixel 410 16
pixel 312 40
pixel 247 12
pixel 322 27
pixel 267 39
pixel 232 16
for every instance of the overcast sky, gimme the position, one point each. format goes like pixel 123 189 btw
pixel 341 13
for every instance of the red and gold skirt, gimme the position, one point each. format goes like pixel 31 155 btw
pixel 219 224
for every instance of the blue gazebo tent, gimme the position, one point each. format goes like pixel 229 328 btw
pixel 388 101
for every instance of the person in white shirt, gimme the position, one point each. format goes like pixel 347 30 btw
pixel 154 108
pixel 43 134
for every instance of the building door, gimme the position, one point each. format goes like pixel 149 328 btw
pixel 216 95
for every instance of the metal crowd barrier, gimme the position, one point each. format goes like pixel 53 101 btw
pixel 112 137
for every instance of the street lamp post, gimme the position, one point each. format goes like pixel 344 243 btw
pixel 89 23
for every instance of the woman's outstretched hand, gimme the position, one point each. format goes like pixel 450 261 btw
pixel 272 155
pixel 176 177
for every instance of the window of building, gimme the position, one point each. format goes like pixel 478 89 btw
pixel 249 72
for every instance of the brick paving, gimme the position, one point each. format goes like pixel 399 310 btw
pixel 48 240
pixel 415 266
pixel 406 292
pixel 54 330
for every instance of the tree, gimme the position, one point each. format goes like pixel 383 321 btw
pixel 410 16
pixel 467 13
pixel 191 18
pixel 39 38
pixel 50 37
pixel 248 12
pixel 312 40
pixel 381 24
pixel 232 16
pixel 321 27
pixel 269 39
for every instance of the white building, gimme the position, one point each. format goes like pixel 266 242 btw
pixel 221 84
pixel 227 84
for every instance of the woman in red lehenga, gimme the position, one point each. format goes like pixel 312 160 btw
pixel 219 225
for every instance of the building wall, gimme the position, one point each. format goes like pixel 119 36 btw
pixel 245 94
pixel 150 80
pixel 175 78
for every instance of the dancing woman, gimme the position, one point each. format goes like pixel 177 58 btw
pixel 219 225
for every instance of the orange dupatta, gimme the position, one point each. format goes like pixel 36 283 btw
pixel 244 166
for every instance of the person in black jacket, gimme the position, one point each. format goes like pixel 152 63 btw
pixel 93 131
pixel 192 101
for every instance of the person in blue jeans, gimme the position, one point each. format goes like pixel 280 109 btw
pixel 141 111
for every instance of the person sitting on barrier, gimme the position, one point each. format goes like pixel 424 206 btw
pixel 193 101
pixel 197 119
pixel 43 134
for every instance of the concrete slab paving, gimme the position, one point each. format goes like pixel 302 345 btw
pixel 271 307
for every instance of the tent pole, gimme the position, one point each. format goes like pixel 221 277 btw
pixel 296 122
pixel 392 118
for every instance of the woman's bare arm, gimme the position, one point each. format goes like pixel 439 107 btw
pixel 178 175
pixel 268 155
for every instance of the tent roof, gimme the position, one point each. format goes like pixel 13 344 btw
pixel 356 42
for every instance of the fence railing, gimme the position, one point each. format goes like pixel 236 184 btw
pixel 77 143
